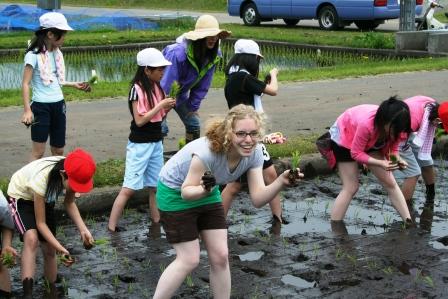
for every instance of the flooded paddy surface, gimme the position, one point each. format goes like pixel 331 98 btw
pixel 370 256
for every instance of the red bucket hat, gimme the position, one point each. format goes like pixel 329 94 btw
pixel 80 168
pixel 443 115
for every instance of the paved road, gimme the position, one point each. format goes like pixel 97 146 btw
pixel 102 127
pixel 390 25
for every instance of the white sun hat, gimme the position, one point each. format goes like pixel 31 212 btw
pixel 54 20
pixel 206 25
pixel 151 57
pixel 247 46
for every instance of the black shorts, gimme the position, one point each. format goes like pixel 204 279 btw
pixel 184 226
pixel 27 218
pixel 49 120
pixel 342 154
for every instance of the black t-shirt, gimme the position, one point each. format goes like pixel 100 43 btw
pixel 241 87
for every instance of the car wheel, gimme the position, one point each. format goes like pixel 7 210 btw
pixel 366 25
pixel 250 15
pixel 328 18
pixel 291 22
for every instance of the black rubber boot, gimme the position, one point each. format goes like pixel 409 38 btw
pixel 430 193
pixel 192 135
pixel 27 285
pixel 5 294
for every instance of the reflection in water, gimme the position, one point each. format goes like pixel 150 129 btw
pixel 427 215
pixel 338 228
pixel 298 282
pixel 154 231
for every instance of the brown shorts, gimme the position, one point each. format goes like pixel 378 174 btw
pixel 184 226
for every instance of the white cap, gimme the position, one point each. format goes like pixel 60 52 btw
pixel 54 20
pixel 151 57
pixel 247 46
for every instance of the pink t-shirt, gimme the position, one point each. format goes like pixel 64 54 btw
pixel 143 104
pixel 357 132
pixel 417 109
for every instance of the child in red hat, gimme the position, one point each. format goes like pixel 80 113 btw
pixel 33 191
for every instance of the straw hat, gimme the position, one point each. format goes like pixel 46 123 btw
pixel 206 25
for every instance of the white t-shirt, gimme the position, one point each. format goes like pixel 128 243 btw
pixel 5 214
pixel 175 170
pixel 32 178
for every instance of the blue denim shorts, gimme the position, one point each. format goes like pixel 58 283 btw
pixel 191 121
pixel 143 164
pixel 49 120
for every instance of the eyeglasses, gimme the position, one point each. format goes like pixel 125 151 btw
pixel 243 134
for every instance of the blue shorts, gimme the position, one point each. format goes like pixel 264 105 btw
pixel 49 120
pixel 191 121
pixel 143 164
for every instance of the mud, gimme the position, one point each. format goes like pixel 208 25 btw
pixel 371 255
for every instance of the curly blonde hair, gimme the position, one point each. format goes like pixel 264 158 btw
pixel 219 131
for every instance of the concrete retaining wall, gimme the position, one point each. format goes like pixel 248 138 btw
pixel 432 41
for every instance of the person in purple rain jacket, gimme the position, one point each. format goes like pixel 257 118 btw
pixel 194 57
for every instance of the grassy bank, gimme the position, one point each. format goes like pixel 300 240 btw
pixel 12 97
pixel 111 172
pixel 199 5
pixel 169 30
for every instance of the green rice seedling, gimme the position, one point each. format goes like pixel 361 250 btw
pixel 47 286
pixel 388 270
pixel 372 265
pixel 285 243
pixel 64 286
pixel 126 263
pixel 293 175
pixel 339 253
pixel 94 78
pixel 130 288
pixel 356 215
pixel 353 259
pixel 8 260
pixel 66 260
pixel 162 267
pixel 429 281
pixel 174 90
pixel 115 281
pixel 189 281
pixel 181 142
pixel 99 276
pixel 101 242
pixel 327 205
pixel 315 250
pixel 387 219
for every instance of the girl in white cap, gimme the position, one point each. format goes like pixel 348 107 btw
pixel 194 57
pixel 244 87
pixel 148 106
pixel 45 71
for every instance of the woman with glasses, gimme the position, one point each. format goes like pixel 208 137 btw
pixel 244 87
pixel 189 200
pixel 370 135
pixel 426 115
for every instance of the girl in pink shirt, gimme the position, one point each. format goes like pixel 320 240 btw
pixel 417 151
pixel 144 151
pixel 367 134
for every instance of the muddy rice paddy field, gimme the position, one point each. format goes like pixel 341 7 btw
pixel 371 255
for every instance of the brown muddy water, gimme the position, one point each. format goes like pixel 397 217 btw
pixel 370 256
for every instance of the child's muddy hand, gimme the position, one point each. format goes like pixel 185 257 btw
pixel 208 180
pixel 402 164
pixel 66 259
pixel 86 237
pixel 168 103
pixel 389 165
pixel 293 176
